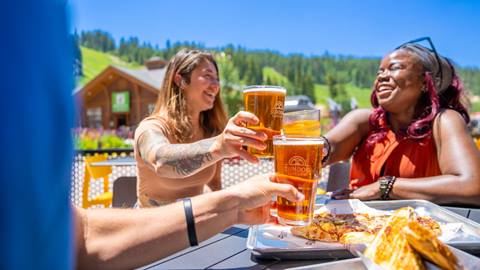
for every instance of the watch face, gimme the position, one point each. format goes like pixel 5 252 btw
pixel 383 181
pixel 383 187
pixel 325 151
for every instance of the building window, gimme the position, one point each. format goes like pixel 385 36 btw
pixel 94 117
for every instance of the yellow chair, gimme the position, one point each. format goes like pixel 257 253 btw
pixel 96 173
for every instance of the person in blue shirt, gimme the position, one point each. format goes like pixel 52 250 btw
pixel 36 109
pixel 39 228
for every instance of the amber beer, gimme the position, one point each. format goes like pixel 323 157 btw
pixel 297 162
pixel 302 123
pixel 267 103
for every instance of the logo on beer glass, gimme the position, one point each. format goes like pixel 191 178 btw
pixel 277 110
pixel 298 167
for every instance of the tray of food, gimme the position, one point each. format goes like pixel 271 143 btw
pixel 342 225
pixel 465 261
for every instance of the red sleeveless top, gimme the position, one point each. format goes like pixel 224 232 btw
pixel 400 157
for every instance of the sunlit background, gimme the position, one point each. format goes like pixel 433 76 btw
pixel 327 51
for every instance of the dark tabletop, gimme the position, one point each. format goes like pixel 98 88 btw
pixel 227 250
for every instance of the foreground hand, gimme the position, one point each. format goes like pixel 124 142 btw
pixel 365 193
pixel 368 192
pixel 341 194
pixel 255 195
pixel 235 135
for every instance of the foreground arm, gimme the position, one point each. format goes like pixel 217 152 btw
pixel 183 160
pixel 128 238
pixel 459 162
pixel 347 135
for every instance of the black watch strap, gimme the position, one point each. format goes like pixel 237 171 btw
pixel 386 185
pixel 326 150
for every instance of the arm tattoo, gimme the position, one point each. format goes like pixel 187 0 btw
pixel 148 141
pixel 184 159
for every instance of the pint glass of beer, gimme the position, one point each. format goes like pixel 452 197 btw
pixel 302 123
pixel 267 103
pixel 297 162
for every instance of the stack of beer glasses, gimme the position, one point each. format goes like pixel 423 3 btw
pixel 298 161
pixel 297 152
pixel 305 123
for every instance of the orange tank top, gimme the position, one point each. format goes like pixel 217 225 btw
pixel 400 157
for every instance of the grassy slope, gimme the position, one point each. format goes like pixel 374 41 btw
pixel 475 107
pixel 362 95
pixel 94 62
pixel 275 77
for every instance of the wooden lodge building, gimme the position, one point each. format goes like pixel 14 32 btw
pixel 119 96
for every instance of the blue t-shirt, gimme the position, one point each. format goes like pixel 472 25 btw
pixel 36 110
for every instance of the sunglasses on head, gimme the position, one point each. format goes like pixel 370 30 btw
pixel 432 49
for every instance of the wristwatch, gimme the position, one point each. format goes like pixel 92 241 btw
pixel 326 150
pixel 386 184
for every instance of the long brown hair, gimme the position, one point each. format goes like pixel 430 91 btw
pixel 171 103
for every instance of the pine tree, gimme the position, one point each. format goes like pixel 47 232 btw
pixel 77 57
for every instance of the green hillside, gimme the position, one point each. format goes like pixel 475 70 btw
pixel 94 62
pixel 362 95
pixel 475 106
pixel 272 77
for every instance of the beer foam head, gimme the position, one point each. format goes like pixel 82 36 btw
pixel 265 88
pixel 282 140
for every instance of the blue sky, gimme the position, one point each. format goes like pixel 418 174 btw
pixel 360 28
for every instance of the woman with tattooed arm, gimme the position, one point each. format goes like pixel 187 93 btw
pixel 180 146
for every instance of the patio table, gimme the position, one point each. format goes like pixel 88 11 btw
pixel 227 250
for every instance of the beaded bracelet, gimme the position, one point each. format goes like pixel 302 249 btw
pixel 386 185
pixel 391 181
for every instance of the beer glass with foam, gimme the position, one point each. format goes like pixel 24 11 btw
pixel 267 103
pixel 297 162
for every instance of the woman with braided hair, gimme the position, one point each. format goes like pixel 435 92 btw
pixel 414 143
